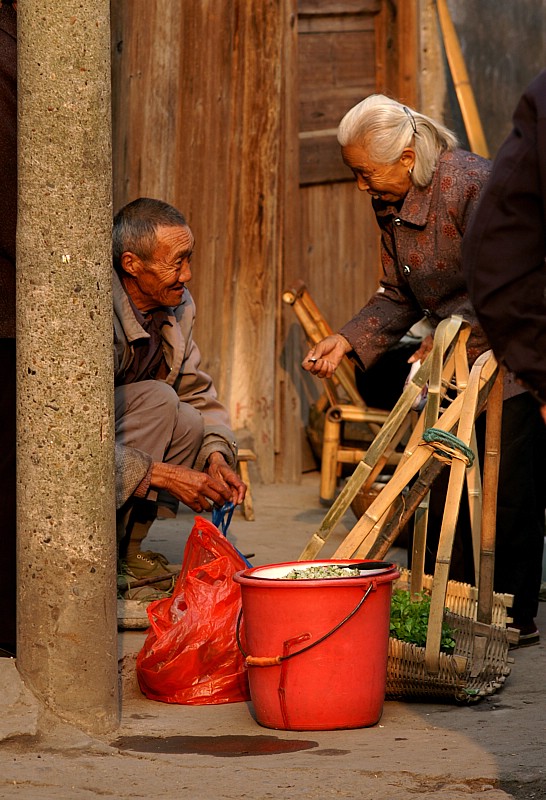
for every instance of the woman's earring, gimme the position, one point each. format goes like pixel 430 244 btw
pixel 410 170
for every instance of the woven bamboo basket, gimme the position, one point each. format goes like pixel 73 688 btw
pixel 480 662
pixel 478 667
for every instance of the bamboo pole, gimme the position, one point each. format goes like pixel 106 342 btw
pixel 474 494
pixel 430 418
pixel 463 88
pixel 489 512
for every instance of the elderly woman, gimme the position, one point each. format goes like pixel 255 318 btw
pixel 424 190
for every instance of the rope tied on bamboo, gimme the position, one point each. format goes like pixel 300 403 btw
pixel 446 446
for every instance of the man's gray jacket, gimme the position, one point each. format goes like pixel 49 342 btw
pixel 192 385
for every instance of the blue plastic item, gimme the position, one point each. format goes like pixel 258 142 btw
pixel 221 517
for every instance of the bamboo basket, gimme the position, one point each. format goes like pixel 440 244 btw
pixel 462 598
pixel 478 667
pixel 480 662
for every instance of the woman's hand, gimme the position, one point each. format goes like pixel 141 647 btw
pixel 325 357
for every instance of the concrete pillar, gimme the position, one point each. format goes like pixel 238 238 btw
pixel 67 625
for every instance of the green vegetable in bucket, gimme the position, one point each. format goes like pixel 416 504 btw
pixel 409 620
pixel 318 573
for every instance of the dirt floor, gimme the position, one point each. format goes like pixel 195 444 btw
pixel 493 749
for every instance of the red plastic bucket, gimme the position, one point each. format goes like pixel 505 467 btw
pixel 316 650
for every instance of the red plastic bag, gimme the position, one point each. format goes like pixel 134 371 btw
pixel 190 655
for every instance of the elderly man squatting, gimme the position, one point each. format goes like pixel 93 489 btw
pixel 173 436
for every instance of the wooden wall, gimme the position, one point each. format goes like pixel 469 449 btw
pixel 214 112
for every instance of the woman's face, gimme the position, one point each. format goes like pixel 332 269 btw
pixel 390 182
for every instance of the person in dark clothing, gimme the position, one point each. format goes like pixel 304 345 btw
pixel 504 249
pixel 8 217
pixel 504 252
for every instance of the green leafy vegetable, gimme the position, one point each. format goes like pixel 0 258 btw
pixel 317 573
pixel 409 620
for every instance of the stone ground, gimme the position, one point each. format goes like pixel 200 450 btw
pixel 440 751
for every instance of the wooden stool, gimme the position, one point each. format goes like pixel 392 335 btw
pixel 244 456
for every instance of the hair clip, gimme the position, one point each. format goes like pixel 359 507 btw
pixel 411 118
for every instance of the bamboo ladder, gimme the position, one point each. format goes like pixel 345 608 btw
pixel 447 356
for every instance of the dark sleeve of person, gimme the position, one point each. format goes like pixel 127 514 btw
pixel 504 247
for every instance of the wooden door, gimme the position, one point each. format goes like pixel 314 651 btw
pixel 347 50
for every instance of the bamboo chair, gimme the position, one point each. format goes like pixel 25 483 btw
pixel 342 402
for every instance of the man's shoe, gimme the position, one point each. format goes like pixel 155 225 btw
pixel 148 564
pixel 146 594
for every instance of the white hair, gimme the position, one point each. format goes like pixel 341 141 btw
pixel 385 128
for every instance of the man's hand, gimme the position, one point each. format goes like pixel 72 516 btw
pixel 325 357
pixel 197 490
pixel 543 412
pixel 218 469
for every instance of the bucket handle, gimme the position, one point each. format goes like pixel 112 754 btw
pixel 272 661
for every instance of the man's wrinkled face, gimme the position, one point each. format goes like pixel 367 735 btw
pixel 159 280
